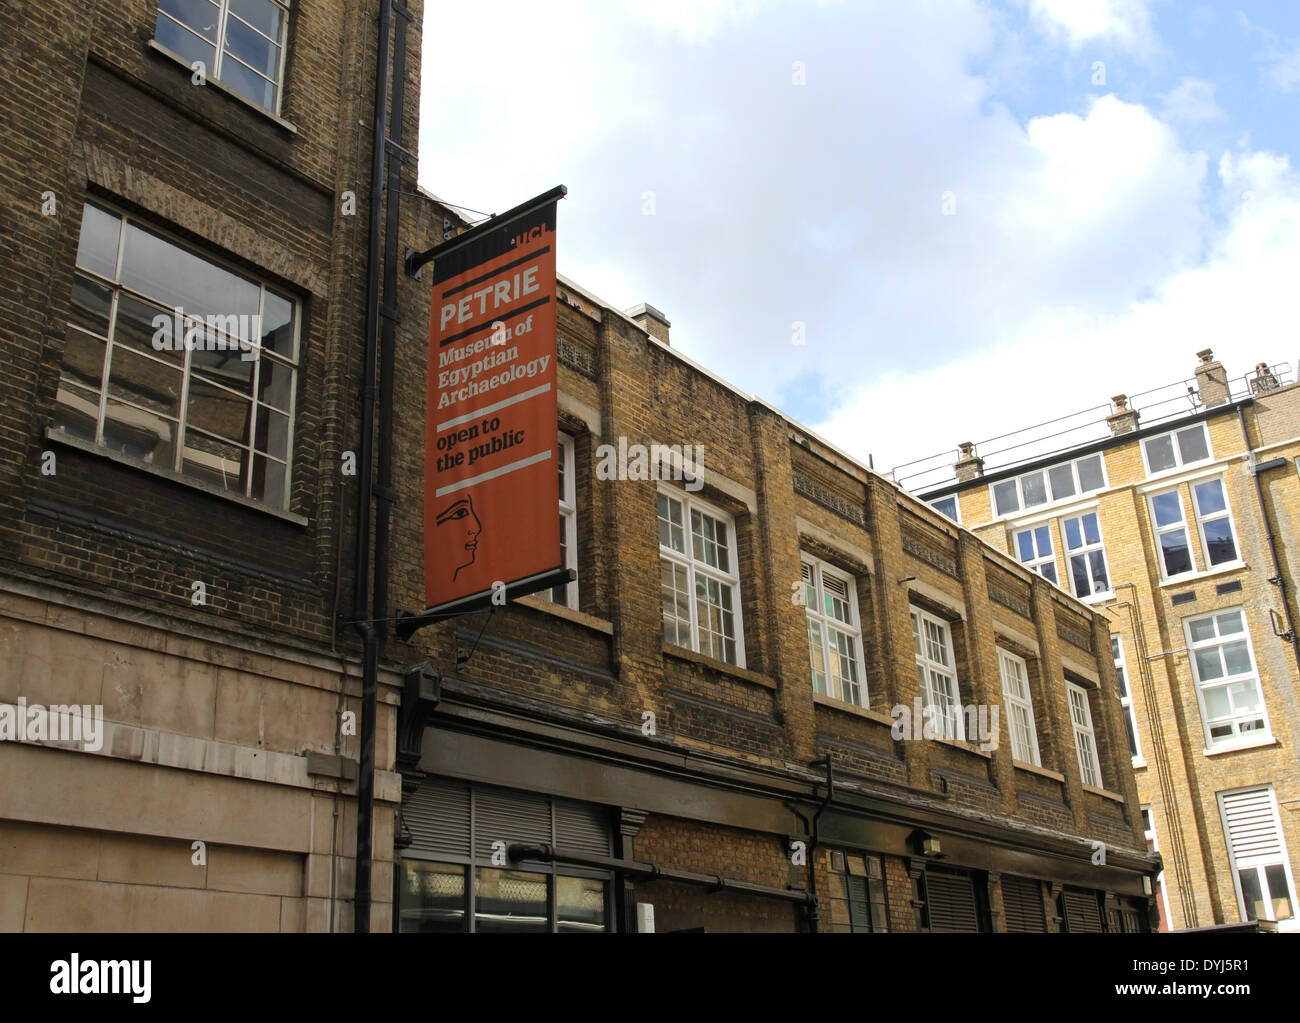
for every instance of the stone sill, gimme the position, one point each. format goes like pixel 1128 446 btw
pixel 682 653
pixel 966 747
pixel 1262 743
pixel 1192 578
pixel 175 477
pixel 567 613
pixel 1020 765
pixel 851 708
pixel 1114 797
pixel 171 55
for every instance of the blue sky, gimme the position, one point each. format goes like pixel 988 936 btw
pixel 982 214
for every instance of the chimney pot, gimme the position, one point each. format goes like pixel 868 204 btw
pixel 968 464
pixel 1124 419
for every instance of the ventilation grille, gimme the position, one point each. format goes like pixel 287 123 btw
pixel 1022 901
pixel 950 899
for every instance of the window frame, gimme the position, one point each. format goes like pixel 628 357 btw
pixel 1238 739
pixel 731 579
pixel 853 628
pixel 1086 550
pixel 1040 560
pixel 956 508
pixel 1158 531
pixel 1084 728
pixel 927 665
pixel 181 425
pixel 1126 702
pixel 1215 517
pixel 568 524
pixel 224 13
pixel 1179 464
pixel 1025 703
pixel 1045 471
pixel 1261 862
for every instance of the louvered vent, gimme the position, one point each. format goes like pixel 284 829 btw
pixel 1082 914
pixel 950 899
pixel 1022 901
pixel 1252 826
pixel 581 828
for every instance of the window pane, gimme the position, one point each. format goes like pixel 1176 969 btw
pixel 432 898
pixel 248 83
pixel 1006 497
pixel 272 435
pixel 145 382
pixel 946 506
pixel 1025 545
pixel 1160 453
pixel 275 387
pixel 1219 542
pixel 1192 444
pixel 1166 509
pixel 1079 574
pixel 215 461
pixel 261 14
pixel 1251 894
pixel 174 277
pixel 1035 490
pixel 1209 497
pixel 270 480
pixel 1229 623
pixel 217 411
pixel 1043 541
pixel 1062 478
pixel 1176 553
pixel 254 49
pixel 184 43
pixel 277 325
pixel 1048 572
pixel 1201 629
pixel 1073 534
pixel 1090 474
pixel 83 361
pixel 97 247
pixel 90 305
pixel 76 411
pixel 134 326
pixel 140 434
pixel 1237 657
pixel 1208 664
pixel 579 904
pixel 510 902
pixel 200 15
pixel 1091 532
pixel 1278 890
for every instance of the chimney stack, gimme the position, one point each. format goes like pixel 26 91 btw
pixel 1211 380
pixel 968 465
pixel 1124 419
pixel 651 320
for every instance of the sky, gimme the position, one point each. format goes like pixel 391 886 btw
pixel 906 225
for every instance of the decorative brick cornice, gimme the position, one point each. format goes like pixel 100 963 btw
pixel 1009 600
pixel 1075 637
pixel 922 551
pixel 817 491
pixel 577 357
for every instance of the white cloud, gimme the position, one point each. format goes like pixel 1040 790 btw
pixel 1191 100
pixel 1125 24
pixel 1239 303
pixel 1284 71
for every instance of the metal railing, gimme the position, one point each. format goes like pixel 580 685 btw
pixel 1063 434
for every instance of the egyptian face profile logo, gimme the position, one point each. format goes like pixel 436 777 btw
pixel 458 533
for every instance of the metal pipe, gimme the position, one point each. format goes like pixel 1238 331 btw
pixel 1278 580
pixel 543 853
pixel 813 914
pixel 361 604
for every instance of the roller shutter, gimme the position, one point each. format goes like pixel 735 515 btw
pixel 1082 914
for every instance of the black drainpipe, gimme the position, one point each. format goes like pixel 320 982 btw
pixel 813 914
pixel 373 626
pixel 1278 580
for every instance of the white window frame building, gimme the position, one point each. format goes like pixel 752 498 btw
pixel 1238 739
pixel 1085 736
pixel 1020 708
pixel 848 686
pixel 936 661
